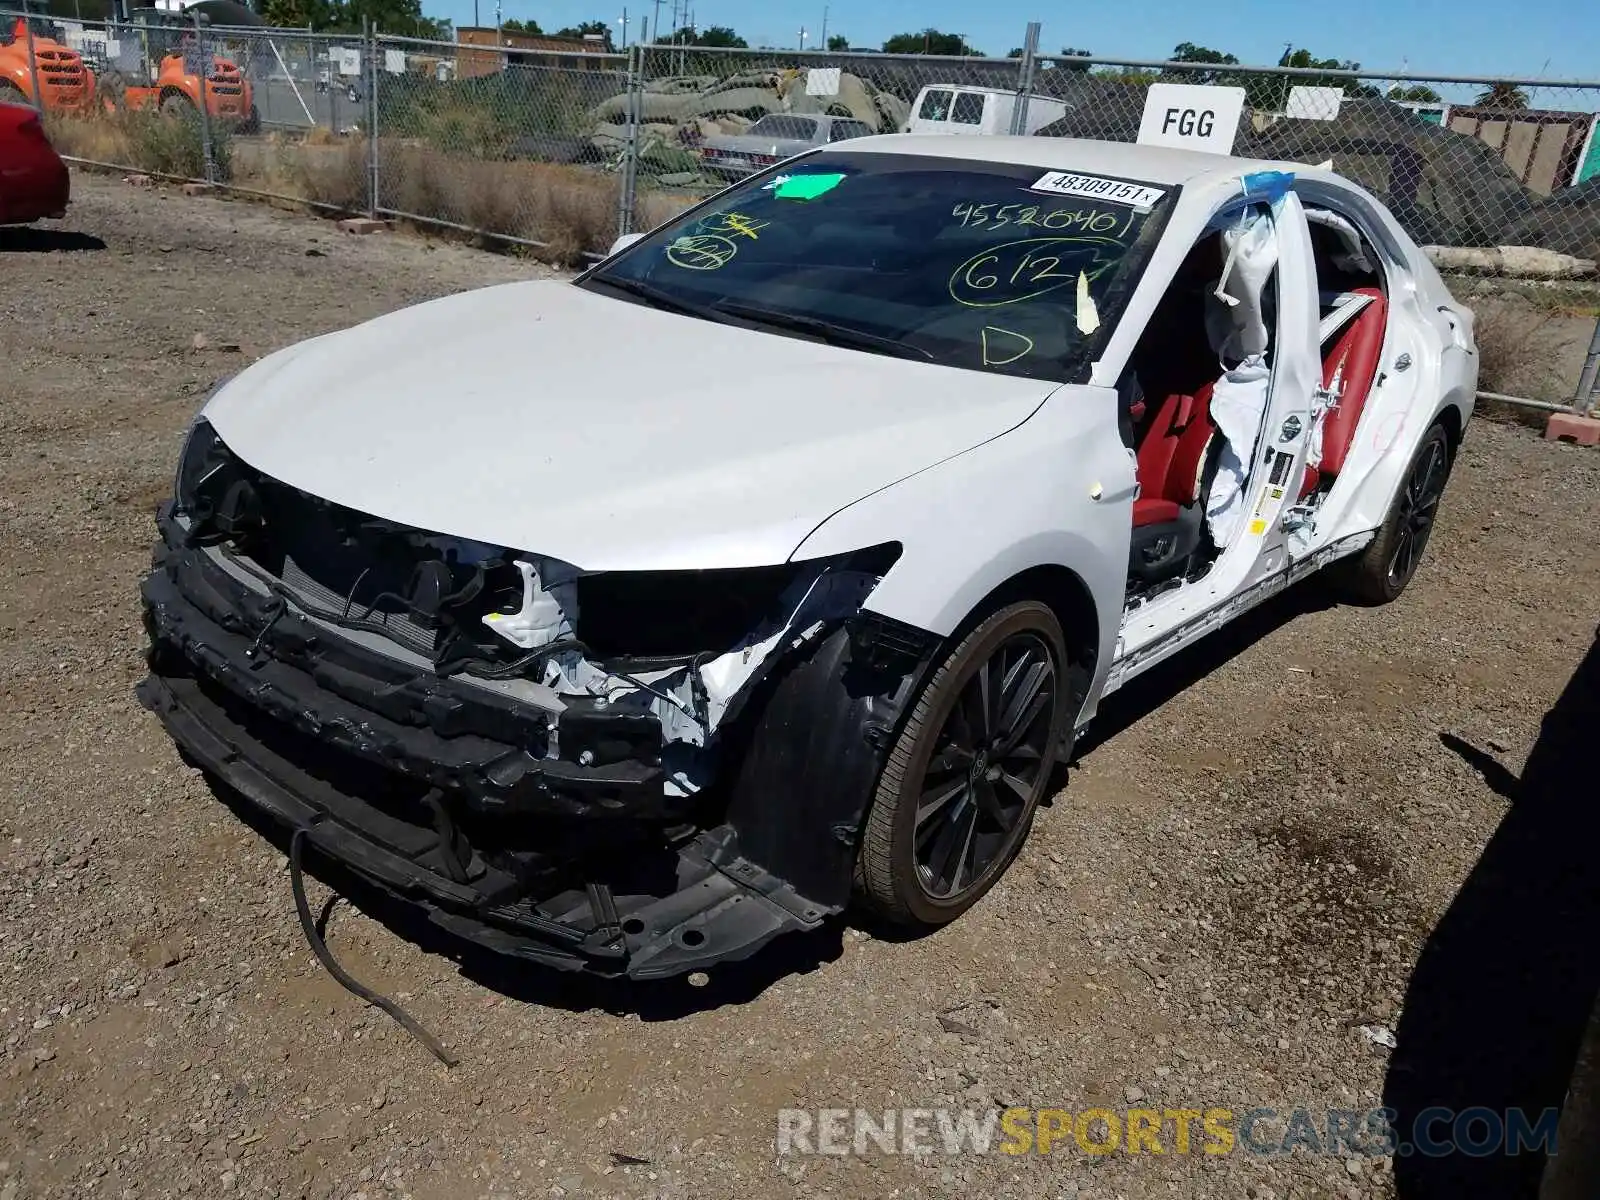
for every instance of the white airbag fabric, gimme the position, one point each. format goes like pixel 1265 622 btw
pixel 1352 255
pixel 1236 325
pixel 1235 322
pixel 1237 403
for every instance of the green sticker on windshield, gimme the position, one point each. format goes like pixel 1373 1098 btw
pixel 805 187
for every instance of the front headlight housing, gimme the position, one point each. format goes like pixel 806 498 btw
pixel 676 615
pixel 200 461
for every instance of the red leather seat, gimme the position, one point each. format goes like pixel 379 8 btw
pixel 1171 457
pixel 1352 365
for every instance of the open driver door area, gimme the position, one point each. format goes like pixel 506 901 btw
pixel 1218 397
pixel 1200 385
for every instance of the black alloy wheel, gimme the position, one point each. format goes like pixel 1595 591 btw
pixel 1381 572
pixel 982 778
pixel 1415 509
pixel 957 795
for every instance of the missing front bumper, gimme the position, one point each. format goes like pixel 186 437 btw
pixel 421 787
pixel 719 907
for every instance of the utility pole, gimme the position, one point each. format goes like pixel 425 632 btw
pixel 823 40
pixel 623 21
pixel 802 37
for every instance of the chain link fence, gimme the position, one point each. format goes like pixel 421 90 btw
pixel 562 146
pixel 507 144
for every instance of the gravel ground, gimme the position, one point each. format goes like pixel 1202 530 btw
pixel 1245 867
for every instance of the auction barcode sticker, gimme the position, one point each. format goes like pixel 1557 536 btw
pixel 1097 187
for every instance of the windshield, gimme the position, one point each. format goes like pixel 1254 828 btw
pixel 986 266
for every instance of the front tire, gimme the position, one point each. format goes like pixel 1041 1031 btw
pixel 1381 572
pixel 957 795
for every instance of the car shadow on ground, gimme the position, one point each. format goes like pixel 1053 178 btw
pixel 25 239
pixel 794 954
pixel 1503 989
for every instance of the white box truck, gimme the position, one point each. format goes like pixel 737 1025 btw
pixel 956 108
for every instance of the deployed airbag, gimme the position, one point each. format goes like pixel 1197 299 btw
pixel 1351 257
pixel 1238 402
pixel 1236 323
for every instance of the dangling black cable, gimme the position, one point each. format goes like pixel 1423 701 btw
pixel 274 608
pixel 409 1023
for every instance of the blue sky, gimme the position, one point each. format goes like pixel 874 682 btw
pixel 1542 38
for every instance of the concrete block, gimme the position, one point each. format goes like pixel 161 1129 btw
pixel 363 225
pixel 1569 427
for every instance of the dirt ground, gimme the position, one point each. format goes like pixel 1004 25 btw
pixel 1260 851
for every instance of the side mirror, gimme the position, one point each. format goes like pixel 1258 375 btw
pixel 623 242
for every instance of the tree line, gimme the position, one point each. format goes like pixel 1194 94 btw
pixel 1210 66
pixel 1207 65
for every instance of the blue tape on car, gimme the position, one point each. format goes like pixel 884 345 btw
pixel 1270 186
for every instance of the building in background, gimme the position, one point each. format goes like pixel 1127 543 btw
pixel 486 50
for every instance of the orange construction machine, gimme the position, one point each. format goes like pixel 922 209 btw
pixel 63 82
pixel 153 61
pixel 159 63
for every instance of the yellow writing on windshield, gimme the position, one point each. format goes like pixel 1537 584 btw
pixel 1026 269
pixel 1083 220
pixel 701 252
pixel 736 223
pixel 1003 346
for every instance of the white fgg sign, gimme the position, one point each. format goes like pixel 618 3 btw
pixel 1189 116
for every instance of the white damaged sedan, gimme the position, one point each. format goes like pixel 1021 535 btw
pixel 627 623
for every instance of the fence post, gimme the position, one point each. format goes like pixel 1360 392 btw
pixel 630 145
pixel 33 63
pixel 369 39
pixel 1030 52
pixel 1587 400
pixel 204 64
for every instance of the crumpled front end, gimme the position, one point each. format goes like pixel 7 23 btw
pixel 537 756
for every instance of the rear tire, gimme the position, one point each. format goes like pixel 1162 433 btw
pixel 956 797
pixel 1381 572
pixel 10 93
pixel 176 104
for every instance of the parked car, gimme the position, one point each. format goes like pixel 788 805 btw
pixel 954 108
pixel 920 450
pixel 774 138
pixel 33 180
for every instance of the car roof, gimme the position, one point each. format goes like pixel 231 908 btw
pixel 1126 160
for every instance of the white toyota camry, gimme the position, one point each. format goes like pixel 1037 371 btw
pixel 626 623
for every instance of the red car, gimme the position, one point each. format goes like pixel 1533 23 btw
pixel 33 179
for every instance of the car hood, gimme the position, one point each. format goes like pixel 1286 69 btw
pixel 558 421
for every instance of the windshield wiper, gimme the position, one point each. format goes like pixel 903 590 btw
pixel 826 331
pixel 657 298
